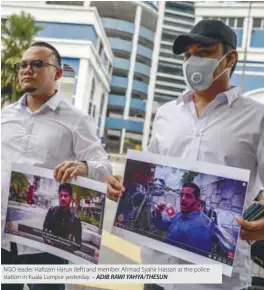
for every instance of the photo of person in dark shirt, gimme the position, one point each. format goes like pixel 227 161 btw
pixel 60 221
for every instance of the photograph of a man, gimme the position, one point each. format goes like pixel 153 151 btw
pixel 189 227
pixel 60 221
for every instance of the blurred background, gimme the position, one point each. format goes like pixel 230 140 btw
pixel 117 59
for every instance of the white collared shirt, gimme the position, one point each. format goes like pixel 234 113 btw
pixel 229 132
pixel 55 133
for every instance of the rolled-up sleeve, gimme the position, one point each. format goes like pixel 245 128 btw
pixel 87 147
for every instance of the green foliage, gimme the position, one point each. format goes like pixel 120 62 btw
pixel 91 219
pixel 19 182
pixel 81 192
pixel 18 32
pixel 188 176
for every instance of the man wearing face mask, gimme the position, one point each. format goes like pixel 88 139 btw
pixel 213 123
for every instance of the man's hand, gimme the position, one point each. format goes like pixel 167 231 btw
pixel 160 206
pixel 69 169
pixel 115 188
pixel 251 231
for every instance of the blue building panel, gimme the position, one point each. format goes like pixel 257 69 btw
pixel 119 25
pixel 257 38
pixel 120 44
pixel 144 51
pixel 116 100
pixel 252 67
pixel 239 33
pixel 249 83
pixel 142 69
pixel 137 104
pixel 140 87
pixel 146 33
pixel 119 124
pixel 68 31
pixel 119 82
pixel 121 63
pixel 119 101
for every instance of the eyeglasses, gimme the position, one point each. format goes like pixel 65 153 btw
pixel 65 195
pixel 35 65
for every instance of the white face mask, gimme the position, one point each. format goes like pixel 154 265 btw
pixel 198 72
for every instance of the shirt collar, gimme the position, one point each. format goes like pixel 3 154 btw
pixel 52 103
pixel 230 96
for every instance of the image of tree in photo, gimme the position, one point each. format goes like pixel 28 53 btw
pixel 188 177
pixel 89 204
pixel 18 32
pixel 19 187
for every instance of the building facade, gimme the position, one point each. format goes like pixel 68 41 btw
pixel 247 19
pixel 79 36
pixel 131 29
pixel 178 18
pixel 175 18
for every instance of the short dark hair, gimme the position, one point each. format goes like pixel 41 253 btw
pixel 52 48
pixel 67 187
pixel 228 47
pixel 196 189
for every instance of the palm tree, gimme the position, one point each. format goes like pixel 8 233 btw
pixel 19 183
pixel 81 192
pixel 188 176
pixel 18 32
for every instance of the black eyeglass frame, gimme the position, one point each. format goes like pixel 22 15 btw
pixel 41 62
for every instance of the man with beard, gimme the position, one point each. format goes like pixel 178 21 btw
pixel 61 222
pixel 189 227
pixel 42 129
pixel 211 122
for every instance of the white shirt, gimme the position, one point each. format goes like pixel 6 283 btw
pixel 55 133
pixel 229 132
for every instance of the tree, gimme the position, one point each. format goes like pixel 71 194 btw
pixel 81 192
pixel 188 176
pixel 19 182
pixel 18 32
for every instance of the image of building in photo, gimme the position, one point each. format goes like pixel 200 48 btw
pixel 247 19
pixel 76 31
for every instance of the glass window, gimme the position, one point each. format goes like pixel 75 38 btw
pixel 257 23
pixel 68 3
pixel 232 22
pixel 240 22
pixel 90 109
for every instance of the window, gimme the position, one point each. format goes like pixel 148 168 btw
pixel 258 23
pixel 100 114
pixel 231 22
pixel 91 106
pixel 67 3
pixel 240 22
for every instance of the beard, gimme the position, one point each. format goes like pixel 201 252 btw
pixel 30 90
